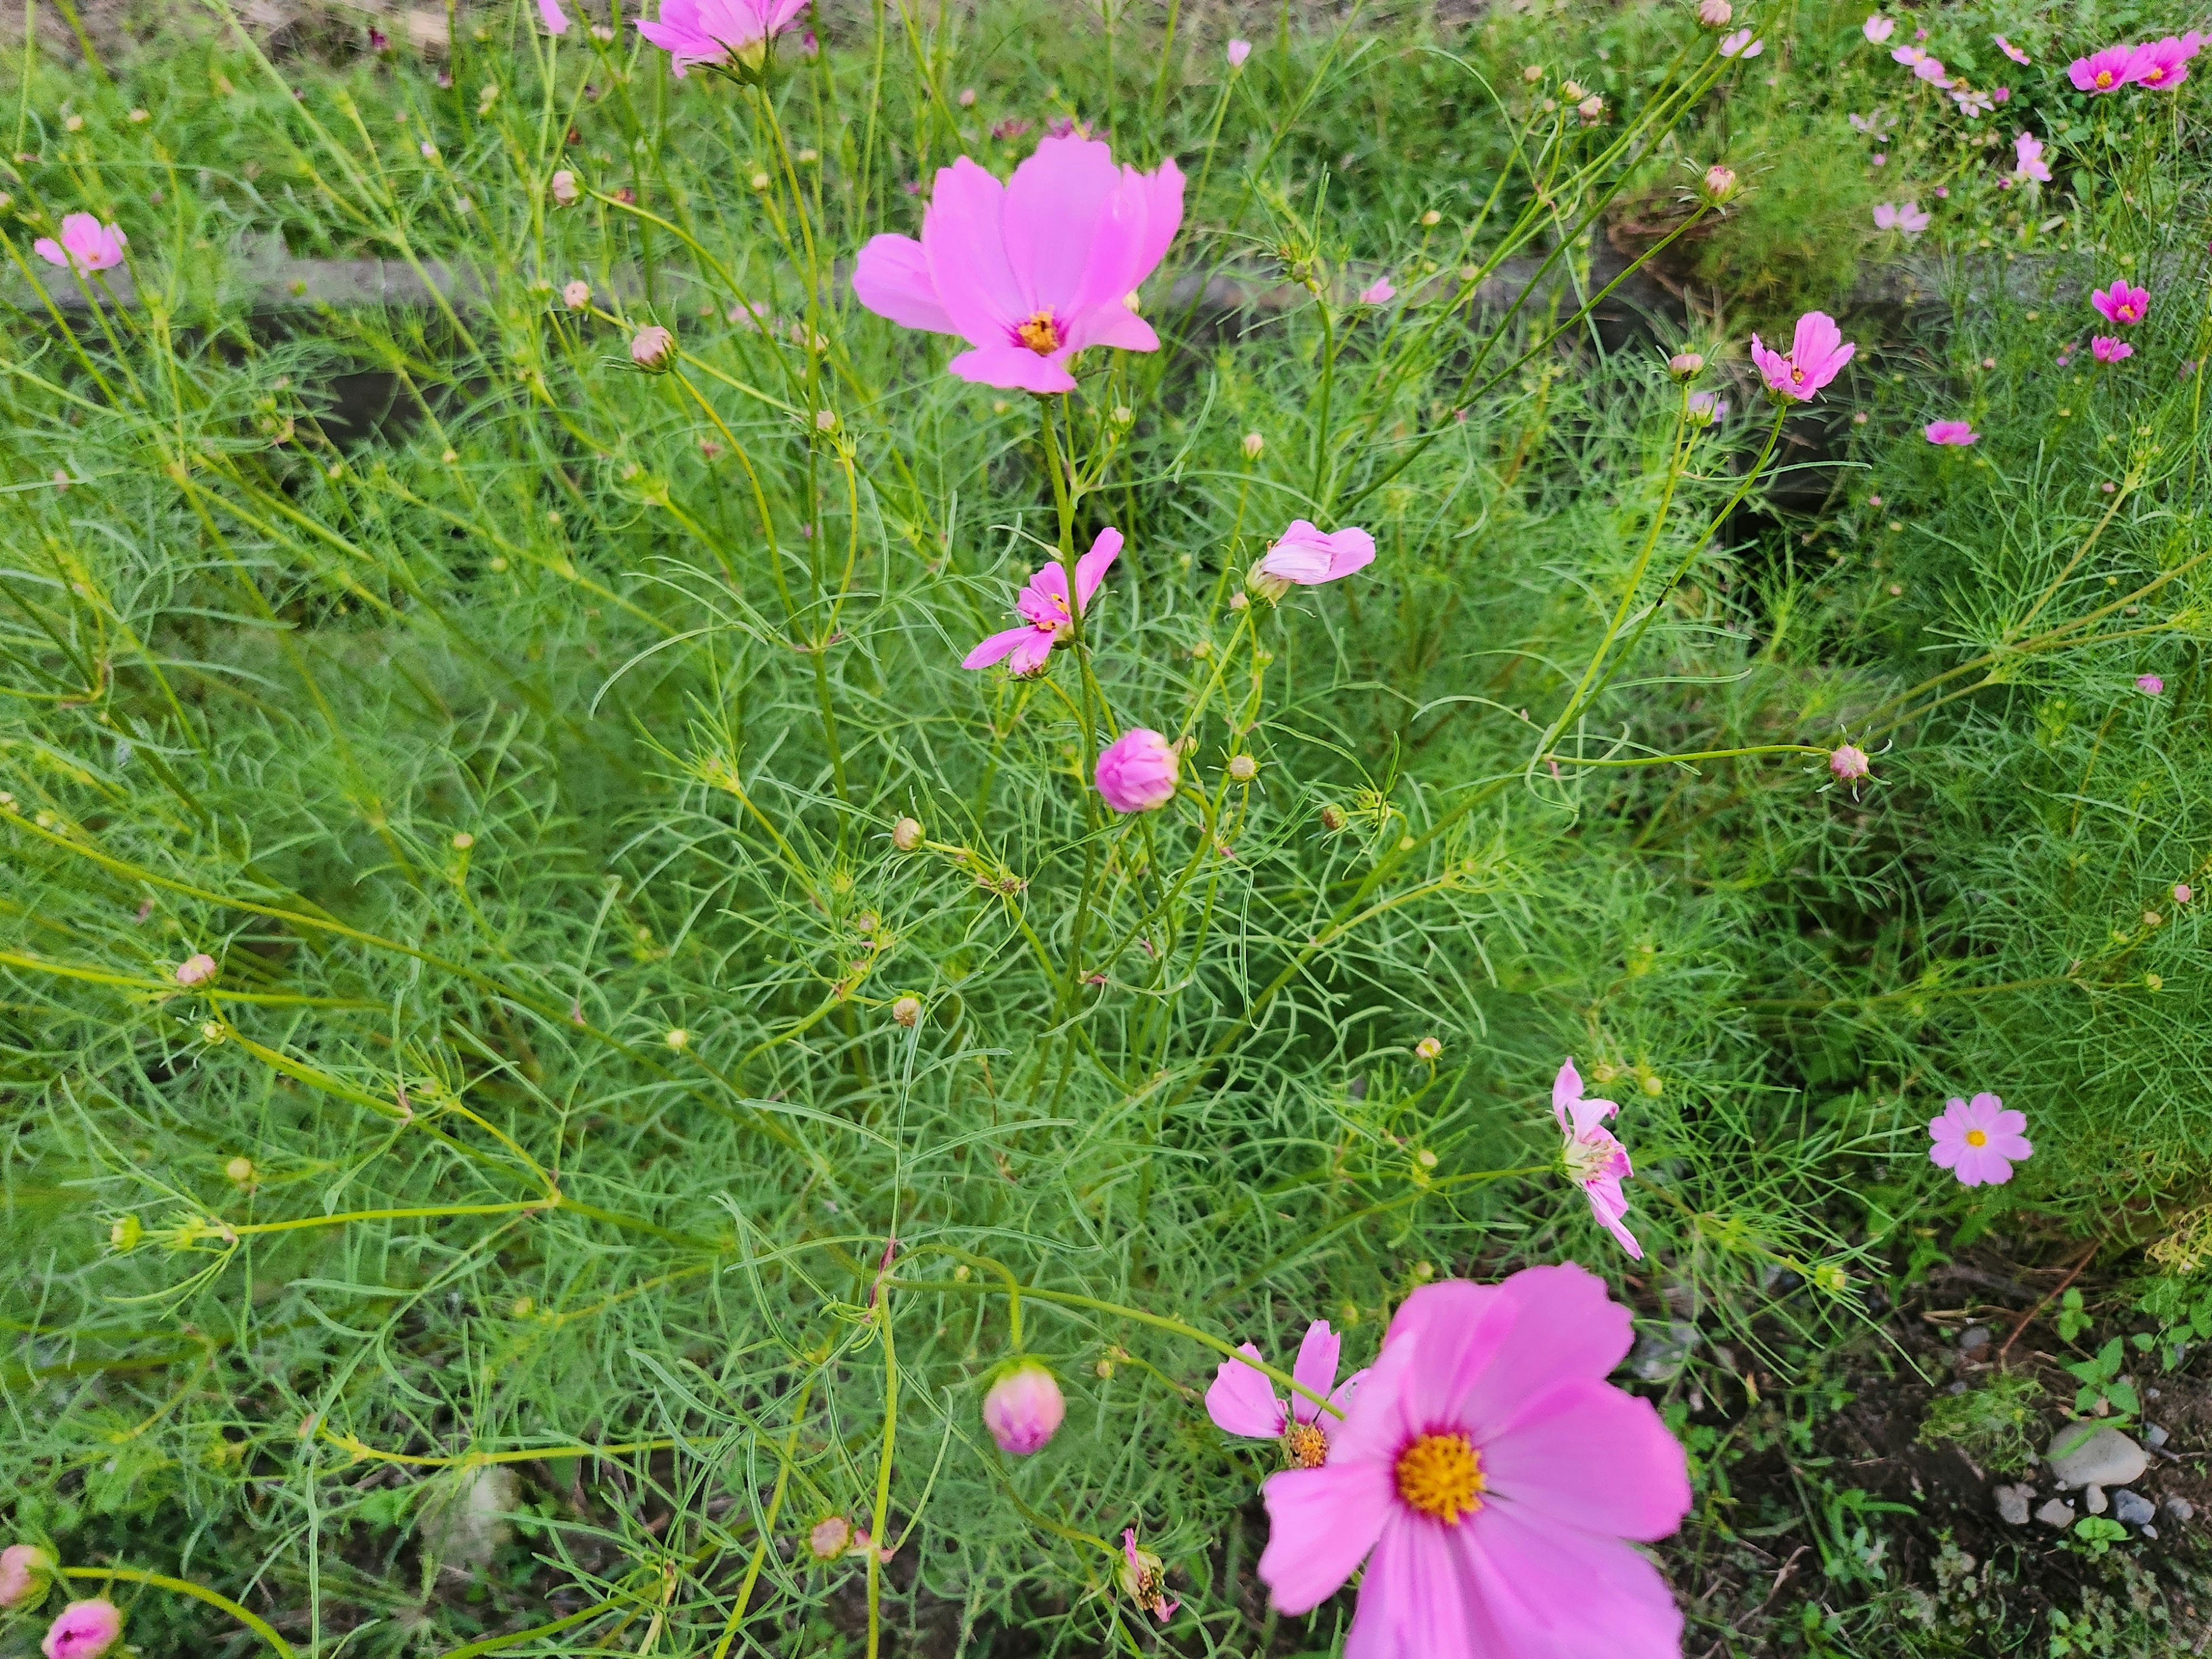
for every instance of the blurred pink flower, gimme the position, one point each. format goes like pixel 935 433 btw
pixel 2160 65
pixel 1012 127
pixel 2121 304
pixel 1025 1408
pixel 1878 29
pixel 85 1631
pixel 1378 293
pixel 1908 217
pixel 2028 151
pixel 24 1570
pixel 556 19
pixel 1931 71
pixel 2182 892
pixel 2102 71
pixel 2011 50
pixel 1030 271
pixel 1817 354
pixel 1043 601
pixel 1305 557
pixel 1708 408
pixel 1973 102
pixel 1138 771
pixel 1980 1141
pixel 1489 1479
pixel 196 970
pixel 1592 1156
pixel 652 347
pixel 2110 349
pixel 711 31
pixel 1957 433
pixel 1238 51
pixel 1243 1402
pixel 1741 44
pixel 1848 762
pixel 86 245
pixel 2149 685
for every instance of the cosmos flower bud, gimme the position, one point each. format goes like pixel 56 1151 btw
pixel 85 1631
pixel 1591 108
pixel 1024 1409
pixel 653 349
pixel 1720 182
pixel 1849 764
pixel 563 190
pixel 1254 443
pixel 906 835
pixel 1138 771
pixel 1716 14
pixel 1238 51
pixel 1243 767
pixel 1686 365
pixel 1428 1048
pixel 907 1011
pixel 196 970
pixel 576 295
pixel 25 1570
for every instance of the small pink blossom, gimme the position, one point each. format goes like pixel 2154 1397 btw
pixel 1145 1578
pixel 24 1570
pixel 1878 29
pixel 1378 293
pixel 2011 50
pixel 1817 354
pixel 1592 1156
pixel 562 188
pixel 1489 1479
pixel 196 970
pixel 2102 71
pixel 1043 602
pixel 830 1538
pixel 1025 1408
pixel 2028 151
pixel 1980 1141
pixel 1708 408
pixel 711 31
pixel 86 245
pixel 1013 127
pixel 85 1631
pixel 2002 95
pixel 2160 64
pixel 2182 892
pixel 653 348
pixel 1242 1401
pixel 1848 762
pixel 1957 433
pixel 1238 51
pixel 1033 270
pixel 1908 218
pixel 2121 304
pixel 2149 685
pixel 2110 349
pixel 1971 102
pixel 1741 44
pixel 1931 71
pixel 1715 14
pixel 1305 557
pixel 1138 771
pixel 556 19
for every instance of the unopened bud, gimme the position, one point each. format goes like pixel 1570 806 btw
pixel 1686 365
pixel 1590 107
pixel 1716 14
pixel 1025 1408
pixel 653 349
pixel 1432 219
pixel 1243 767
pixel 240 1169
pixel 196 970
pixel 1254 443
pixel 1848 762
pixel 1123 414
pixel 825 420
pixel 907 1011
pixel 1428 1048
pixel 576 295
pixel 1332 817
pixel 678 1039
pixel 1570 90
pixel 906 835
pixel 1720 182
pixel 1533 74
pixel 562 188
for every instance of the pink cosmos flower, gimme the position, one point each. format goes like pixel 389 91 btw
pixel 1817 354
pixel 1139 770
pixel 1025 1408
pixel 2110 348
pixel 2160 65
pixel 2121 304
pixel 2149 685
pixel 1931 71
pixel 1489 1477
pixel 24 1570
pixel 1243 1402
pixel 86 245
pixel 1145 1578
pixel 1850 761
pixel 2182 892
pixel 1973 102
pixel 1305 557
pixel 1741 45
pixel 196 970
pixel 1958 433
pixel 1238 51
pixel 1908 218
pixel 711 31
pixel 85 1631
pixel 1878 29
pixel 1031 271
pixel 2102 71
pixel 2011 50
pixel 1980 1141
pixel 556 19
pixel 1592 1155
pixel 2028 149
pixel 1044 603
pixel 1378 293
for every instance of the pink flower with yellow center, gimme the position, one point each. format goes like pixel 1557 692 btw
pixel 1592 1155
pixel 86 245
pixel 2121 304
pixel 1033 270
pixel 2160 64
pixel 1489 1478
pixel 1955 433
pixel 1979 1140
pixel 1817 354
pixel 1243 1402
pixel 2101 71
pixel 1043 603
pixel 713 31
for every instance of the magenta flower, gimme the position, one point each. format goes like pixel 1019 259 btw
pixel 556 19
pixel 1044 603
pixel 1031 271
pixel 85 1631
pixel 1025 1408
pixel 1817 354
pixel 2011 50
pixel 1489 1477
pixel 1592 1155
pixel 1878 29
pixel 1958 433
pixel 1138 771
pixel 2028 149
pixel 1908 218
pixel 713 31
pixel 2182 892
pixel 2121 304
pixel 2160 65
pixel 2109 348
pixel 1243 1402
pixel 1980 1141
pixel 1303 556
pixel 2102 71
pixel 2149 685
pixel 86 245
pixel 24 1570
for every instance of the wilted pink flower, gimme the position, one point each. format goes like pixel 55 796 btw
pixel 1909 217
pixel 556 19
pixel 2109 348
pixel 1850 762
pixel 2011 50
pixel 1012 127
pixel 1958 433
pixel 1031 271
pixel 1741 44
pixel 1043 601
pixel 1488 1476
pixel 1238 51
pixel 2182 892
pixel 196 970
pixel 1305 557
pixel 85 1631
pixel 2028 149
pixel 24 1570
pixel 1715 14
pixel 1139 770
pixel 2120 303
pixel 830 1538
pixel 2160 65
pixel 1378 293
pixel 1592 1155
pixel 1817 354
pixel 1145 1578
pixel 652 347
pixel 1242 1401
pixel 2102 71
pixel 86 245
pixel 712 31
pixel 1980 1141
pixel 1878 29
pixel 1024 1408
pixel 2149 685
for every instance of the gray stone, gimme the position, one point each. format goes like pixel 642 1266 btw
pixel 2133 1507
pixel 2180 1508
pixel 2150 1531
pixel 2057 1513
pixel 2011 1503
pixel 1973 1338
pixel 2155 1434
pixel 2092 1500
pixel 2084 1456
pixel 1660 1355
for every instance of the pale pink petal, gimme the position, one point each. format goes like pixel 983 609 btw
pixel 2014 1148
pixel 1561 1593
pixel 1059 218
pixel 1586 1455
pixel 1315 1368
pixel 1342 1400
pixel 1321 1524
pixel 1012 368
pixel 1418 1600
pixel 2008 1122
pixel 1044 597
pixel 1306 562
pixel 1565 1325
pixel 996 647
pixel 1588 1114
pixel 51 251
pixel 1991 1167
pixel 556 19
pixel 1032 653
pixel 963 238
pixel 1379 1421
pixel 1111 325
pixel 1945 1153
pixel 1459 1328
pixel 1241 1401
pixel 1090 569
pixel 1162 190
pixel 1566 1090
pixel 891 278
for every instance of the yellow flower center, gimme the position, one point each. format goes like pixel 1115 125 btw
pixel 1040 334
pixel 2103 77
pixel 1977 1137
pixel 1306 1445
pixel 1441 1475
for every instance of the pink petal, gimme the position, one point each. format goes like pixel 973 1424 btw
pixel 1549 1590
pixel 965 241
pixel 1418 1600
pixel 1945 1154
pixel 1586 1455
pixel 1012 368
pixel 1111 323
pixel 1315 1368
pixel 51 251
pixel 998 646
pixel 1566 1325
pixel 1991 1168
pixel 1566 1090
pixel 1378 1424
pixel 2008 1122
pixel 2017 1149
pixel 891 278
pixel 1033 653
pixel 1460 1328
pixel 556 19
pixel 1590 1114
pixel 1619 1229
pixel 1067 245
pixel 1090 569
pixel 1162 192
pixel 1243 1400
pixel 1321 1524
pixel 1305 563
pixel 1816 339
